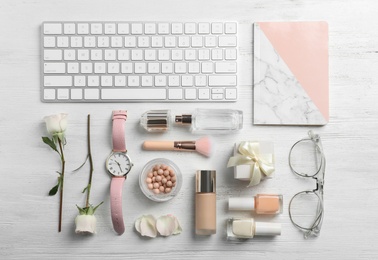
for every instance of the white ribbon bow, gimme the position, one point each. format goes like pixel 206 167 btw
pixel 249 153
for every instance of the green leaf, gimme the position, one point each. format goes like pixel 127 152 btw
pixel 81 166
pixel 94 209
pixel 82 211
pixel 54 190
pixel 50 143
pixel 86 188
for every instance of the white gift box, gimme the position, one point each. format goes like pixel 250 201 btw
pixel 243 172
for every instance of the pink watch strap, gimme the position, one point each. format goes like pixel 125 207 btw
pixel 116 186
pixel 118 134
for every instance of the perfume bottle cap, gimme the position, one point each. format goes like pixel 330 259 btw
pixel 156 120
pixel 183 119
pixel 241 203
pixel 205 181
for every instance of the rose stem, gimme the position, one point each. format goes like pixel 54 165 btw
pixel 90 161
pixel 61 185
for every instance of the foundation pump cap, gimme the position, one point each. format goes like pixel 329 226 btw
pixel 205 181
pixel 241 203
pixel 156 120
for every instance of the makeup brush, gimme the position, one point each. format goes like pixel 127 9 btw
pixel 202 146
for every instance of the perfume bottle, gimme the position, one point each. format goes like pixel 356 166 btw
pixel 156 120
pixel 261 204
pixel 205 203
pixel 217 121
pixel 242 229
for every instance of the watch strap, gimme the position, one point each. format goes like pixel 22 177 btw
pixel 118 133
pixel 116 186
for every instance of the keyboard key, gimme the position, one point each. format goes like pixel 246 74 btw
pixel 54 68
pixel 110 54
pixel 146 81
pixel 62 41
pixel 49 94
pixel 83 54
pixel 57 81
pixel 203 28
pixel 227 41
pixel 63 93
pixel 225 67
pixel 73 67
pixel 52 54
pixel 130 41
pixel 69 28
pixel 187 81
pixel 231 93
pixel 160 81
pixel 149 28
pixel 163 28
pixel 82 28
pixel 175 94
pixel 230 28
pixel 123 28
pixel 52 28
pixel 200 81
pixel 103 42
pixel 133 94
pixel 86 67
pixel 106 81
pixel 190 28
pixel 110 28
pixel 96 55
pixel 136 28
pixel 217 28
pixel 76 94
pixel 96 28
pixel 177 28
pixel 230 54
pixel 222 80
pixel 190 94
pixel 174 81
pixel 211 41
pixel 204 94
pixel 79 81
pixel 93 81
pixel 89 41
pixel 116 42
pixel 49 41
pixel 76 42
pixel 133 81
pixel 120 81
pixel 91 94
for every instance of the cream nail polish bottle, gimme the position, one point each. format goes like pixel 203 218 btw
pixel 205 208
pixel 261 204
pixel 242 229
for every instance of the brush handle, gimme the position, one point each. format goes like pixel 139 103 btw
pixel 159 145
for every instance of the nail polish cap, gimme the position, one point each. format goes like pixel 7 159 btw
pixel 241 203
pixel 205 181
pixel 156 120
pixel 267 229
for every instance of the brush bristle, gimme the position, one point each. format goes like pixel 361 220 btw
pixel 204 146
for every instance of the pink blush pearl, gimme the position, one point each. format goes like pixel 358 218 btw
pixel 164 180
pixel 158 178
pixel 148 180
pixel 166 173
pixel 161 188
pixel 150 175
pixel 156 191
pixel 169 183
pixel 173 179
pixel 167 190
pixel 150 186
pixel 156 185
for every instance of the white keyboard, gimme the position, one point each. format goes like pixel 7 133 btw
pixel 139 62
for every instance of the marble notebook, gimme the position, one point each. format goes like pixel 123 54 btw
pixel 291 73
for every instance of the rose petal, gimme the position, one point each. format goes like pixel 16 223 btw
pixel 85 224
pixel 137 224
pixel 178 228
pixel 165 225
pixel 148 226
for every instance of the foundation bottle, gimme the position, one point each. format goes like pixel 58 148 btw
pixel 205 203
pixel 262 204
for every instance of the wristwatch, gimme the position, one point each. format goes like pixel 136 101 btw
pixel 118 165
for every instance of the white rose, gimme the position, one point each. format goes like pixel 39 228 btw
pixel 56 125
pixel 85 224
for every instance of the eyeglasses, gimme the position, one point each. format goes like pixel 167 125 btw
pixel 306 208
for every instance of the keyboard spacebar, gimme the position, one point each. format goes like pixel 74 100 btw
pixel 134 94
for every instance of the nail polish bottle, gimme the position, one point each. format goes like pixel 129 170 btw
pixel 262 204
pixel 205 208
pixel 216 121
pixel 242 229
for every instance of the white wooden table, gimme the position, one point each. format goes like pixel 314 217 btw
pixel 29 218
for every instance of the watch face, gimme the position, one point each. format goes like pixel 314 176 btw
pixel 118 164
